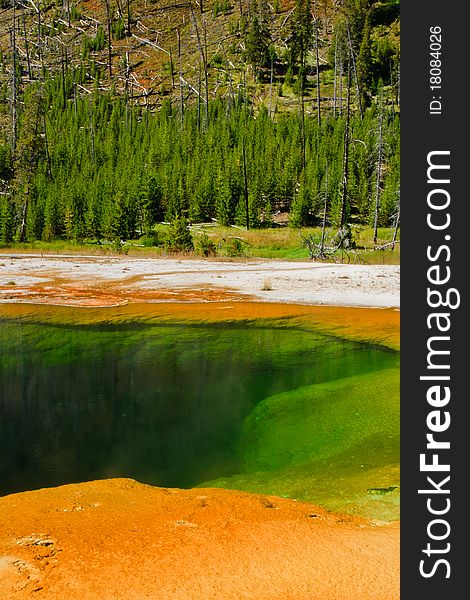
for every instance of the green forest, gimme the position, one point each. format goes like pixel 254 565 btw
pixel 309 129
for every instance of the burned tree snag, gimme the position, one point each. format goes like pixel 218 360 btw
pixel 344 191
pixel 108 19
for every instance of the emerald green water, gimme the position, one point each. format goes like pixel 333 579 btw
pixel 259 405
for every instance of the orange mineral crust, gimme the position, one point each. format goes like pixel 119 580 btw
pixel 119 539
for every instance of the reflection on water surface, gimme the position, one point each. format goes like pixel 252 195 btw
pixel 161 402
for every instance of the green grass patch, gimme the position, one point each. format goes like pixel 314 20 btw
pixel 281 243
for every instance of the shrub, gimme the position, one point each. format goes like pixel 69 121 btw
pixel 150 241
pixel 119 30
pixel 179 238
pixel 205 246
pixel 234 248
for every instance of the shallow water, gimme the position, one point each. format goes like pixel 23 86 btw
pixel 177 402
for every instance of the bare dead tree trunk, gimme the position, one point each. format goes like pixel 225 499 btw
pixel 398 84
pixel 14 88
pixel 271 86
pixel 317 60
pixel 39 34
pixel 127 77
pixel 302 109
pixel 62 69
pixel 206 75
pixel 245 178
pixel 341 75
pixel 229 68
pixel 344 192
pixel 335 75
pixel 245 91
pixel 46 144
pixel 356 79
pixel 171 70
pixel 128 3
pixel 379 171
pixel 203 59
pixel 325 209
pixel 75 98
pixel 397 225
pixel 26 44
pixel 126 89
pixel 119 9
pixel 199 85
pixel 302 125
pixel 67 11
pixel 92 131
pixel 132 102
pixel 30 171
pixel 108 19
pixel 181 77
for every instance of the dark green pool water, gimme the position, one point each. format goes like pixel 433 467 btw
pixel 179 404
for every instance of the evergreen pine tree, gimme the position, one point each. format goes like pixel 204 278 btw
pixel 258 38
pixel 179 238
pixel 7 220
pixel 301 34
pixel 152 205
pixel 364 65
pixel 30 149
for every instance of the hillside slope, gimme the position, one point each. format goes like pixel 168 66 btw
pixel 160 48
pixel 118 115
